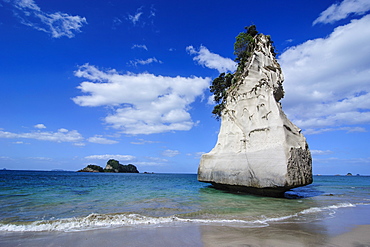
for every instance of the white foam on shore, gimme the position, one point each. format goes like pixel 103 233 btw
pixel 92 221
pixel 321 209
pixel 96 221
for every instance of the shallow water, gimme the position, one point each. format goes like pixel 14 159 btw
pixel 70 201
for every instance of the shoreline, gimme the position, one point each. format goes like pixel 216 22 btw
pixel 348 227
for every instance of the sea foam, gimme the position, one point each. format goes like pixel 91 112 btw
pixel 321 209
pixel 92 221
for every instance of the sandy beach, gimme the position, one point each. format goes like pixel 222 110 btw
pixel 349 227
pixel 194 235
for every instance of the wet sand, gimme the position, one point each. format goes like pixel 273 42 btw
pixel 349 227
pixel 192 235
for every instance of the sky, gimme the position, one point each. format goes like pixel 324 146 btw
pixel 86 81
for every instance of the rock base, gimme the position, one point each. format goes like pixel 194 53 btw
pixel 271 192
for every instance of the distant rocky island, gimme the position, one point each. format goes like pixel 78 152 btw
pixel 112 166
pixel 258 150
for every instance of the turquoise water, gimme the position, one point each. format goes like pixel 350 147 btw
pixel 64 201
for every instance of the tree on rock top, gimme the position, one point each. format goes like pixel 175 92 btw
pixel 244 46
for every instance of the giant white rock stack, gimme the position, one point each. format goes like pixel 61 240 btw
pixel 259 150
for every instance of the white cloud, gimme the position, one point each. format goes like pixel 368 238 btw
pixel 148 163
pixel 143 16
pixel 327 80
pixel 211 100
pixel 40 158
pixel 57 24
pixel 40 126
pixel 116 22
pixel 211 60
pixel 323 130
pixel 62 135
pixel 196 155
pixel 144 103
pixel 157 159
pixel 101 140
pixel 19 142
pixel 119 157
pixel 170 153
pixel 30 4
pixel 340 161
pixel 140 47
pixel 153 161
pixel 142 141
pixel 5 158
pixel 152 12
pixel 339 11
pixel 321 152
pixel 135 18
pixel 144 62
pixel 79 144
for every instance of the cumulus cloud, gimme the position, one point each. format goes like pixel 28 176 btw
pixel 40 126
pixel 62 135
pixel 339 11
pixel 56 24
pixel 327 79
pixel 119 157
pixel 143 103
pixel 211 60
pixel 170 153
pixel 101 140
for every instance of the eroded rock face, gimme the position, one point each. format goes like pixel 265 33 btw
pixel 258 149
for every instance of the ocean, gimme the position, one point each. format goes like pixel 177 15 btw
pixel 58 201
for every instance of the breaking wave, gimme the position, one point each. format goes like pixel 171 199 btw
pixel 321 209
pixel 96 221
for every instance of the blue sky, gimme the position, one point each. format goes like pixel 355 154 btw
pixel 85 81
